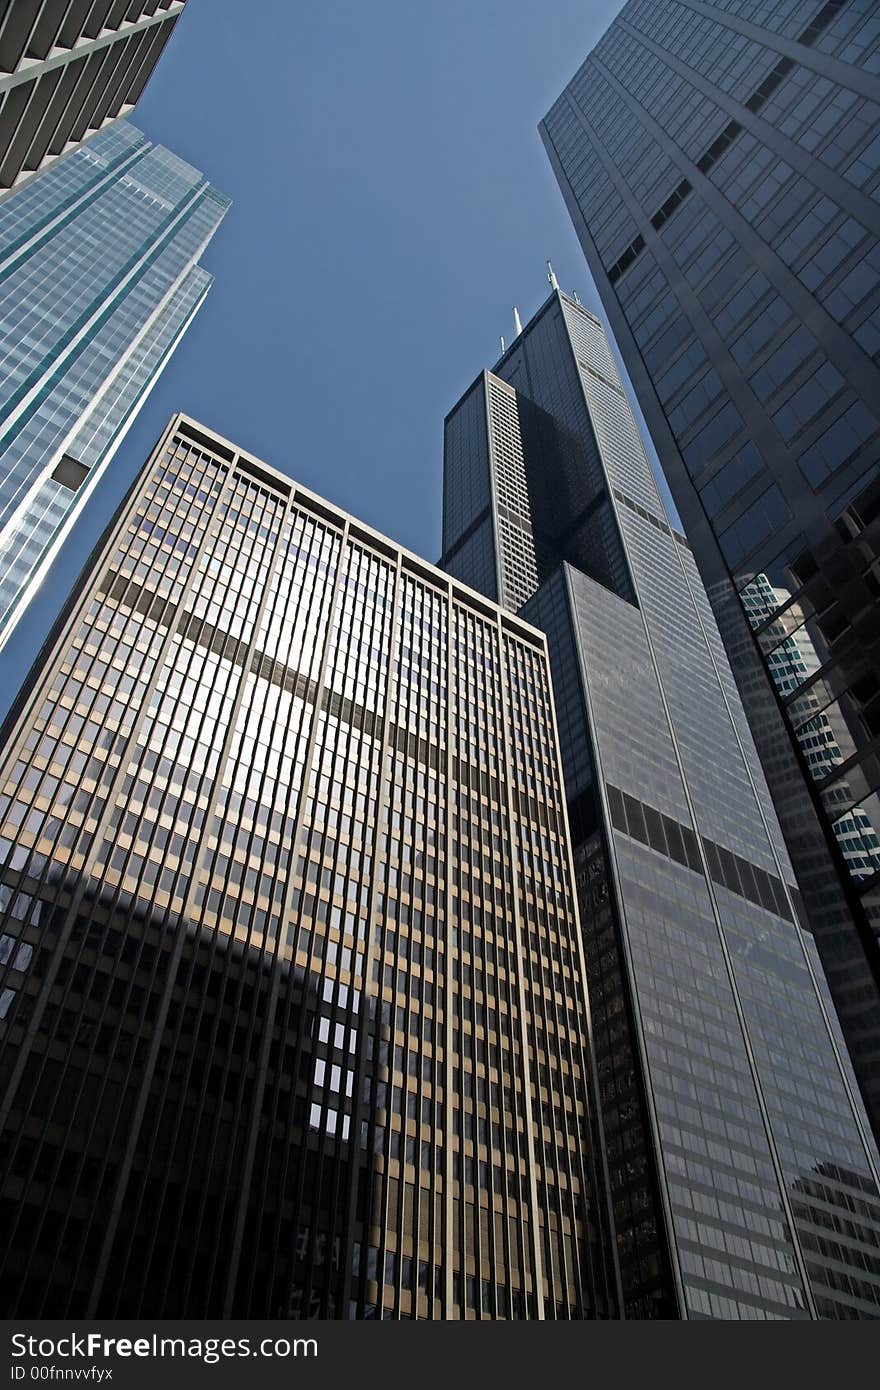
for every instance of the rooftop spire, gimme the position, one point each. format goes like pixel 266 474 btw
pixel 554 283
pixel 517 321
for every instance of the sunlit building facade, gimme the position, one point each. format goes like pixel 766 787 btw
pixel 99 279
pixel 721 166
pixel 292 1008
pixel 742 1174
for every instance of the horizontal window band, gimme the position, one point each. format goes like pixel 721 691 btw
pixel 679 842
pixel 408 744
pixel 649 516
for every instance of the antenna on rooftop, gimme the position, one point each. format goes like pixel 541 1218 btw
pixel 517 321
pixel 503 348
pixel 554 283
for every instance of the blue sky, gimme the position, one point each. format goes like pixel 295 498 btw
pixel 391 203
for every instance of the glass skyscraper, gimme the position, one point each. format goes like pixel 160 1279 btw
pixel 99 278
pixel 69 68
pixel 742 1173
pixel 721 164
pixel 292 1007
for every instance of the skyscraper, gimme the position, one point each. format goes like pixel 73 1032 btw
pixel 99 278
pixel 743 1177
pixel 68 70
pixel 292 1015
pixel 721 164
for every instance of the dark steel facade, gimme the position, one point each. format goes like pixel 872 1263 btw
pixel 721 164
pixel 292 1016
pixel 742 1174
pixel 68 68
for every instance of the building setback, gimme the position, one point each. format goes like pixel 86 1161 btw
pixel 721 165
pixel 743 1176
pixel 292 1017
pixel 99 279
pixel 69 68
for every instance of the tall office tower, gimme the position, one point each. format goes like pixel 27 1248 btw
pixel 69 68
pixel 99 279
pixel 743 1177
pixel 292 1015
pixel 721 164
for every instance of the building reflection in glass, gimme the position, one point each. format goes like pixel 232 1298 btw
pixel 821 722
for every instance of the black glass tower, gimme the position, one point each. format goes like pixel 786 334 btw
pixel 742 1174
pixel 721 164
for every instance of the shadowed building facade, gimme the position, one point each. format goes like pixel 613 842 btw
pixel 99 279
pixel 292 1016
pixel 721 165
pixel 743 1177
pixel 68 69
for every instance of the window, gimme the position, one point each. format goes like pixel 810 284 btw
pixel 769 321
pixel 690 361
pixel 832 253
pixel 731 478
pixel 808 400
pixel 698 398
pixel 757 522
pixel 711 439
pixel 783 363
pixel 837 445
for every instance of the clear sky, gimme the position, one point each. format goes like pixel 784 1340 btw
pixel 391 203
